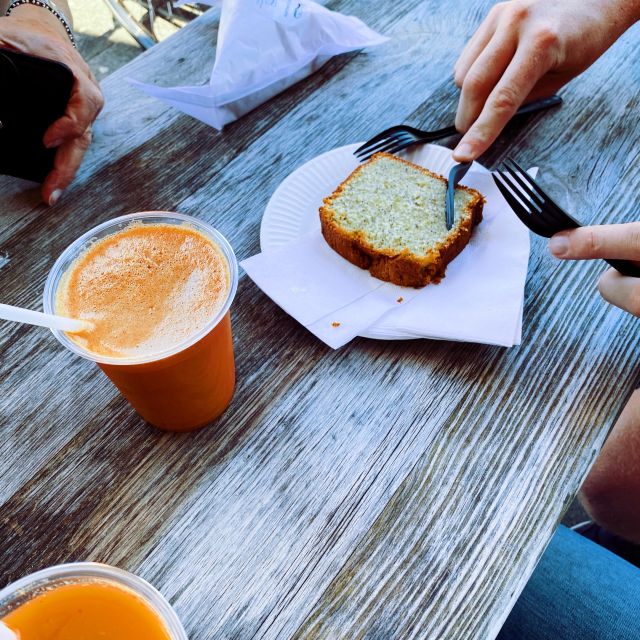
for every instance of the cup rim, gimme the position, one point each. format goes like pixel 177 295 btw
pixel 56 272
pixel 107 573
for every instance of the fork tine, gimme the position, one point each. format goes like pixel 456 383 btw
pixel 509 196
pixel 532 184
pixel 390 146
pixel 515 175
pixel 563 219
pixel 383 134
pixel 401 146
pixel 376 148
pixel 529 186
pixel 519 187
pixel 519 209
pixel 526 176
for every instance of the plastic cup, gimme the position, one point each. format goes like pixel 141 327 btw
pixel 182 388
pixel 19 592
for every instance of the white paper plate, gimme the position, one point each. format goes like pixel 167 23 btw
pixel 292 211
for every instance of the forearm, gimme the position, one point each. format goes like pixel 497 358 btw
pixel 611 493
pixel 62 5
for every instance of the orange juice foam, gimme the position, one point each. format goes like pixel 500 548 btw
pixel 145 289
pixel 92 610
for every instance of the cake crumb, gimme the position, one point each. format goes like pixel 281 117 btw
pixel 400 299
pixel 335 324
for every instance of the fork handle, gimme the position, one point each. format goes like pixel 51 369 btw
pixel 625 267
pixel 530 107
pixel 440 133
pixel 539 105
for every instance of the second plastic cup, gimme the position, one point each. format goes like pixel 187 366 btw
pixel 187 386
pixel 22 591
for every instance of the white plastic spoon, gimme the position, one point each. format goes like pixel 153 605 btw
pixel 18 314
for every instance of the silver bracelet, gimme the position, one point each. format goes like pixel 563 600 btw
pixel 46 4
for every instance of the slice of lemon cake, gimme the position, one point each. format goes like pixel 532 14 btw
pixel 388 217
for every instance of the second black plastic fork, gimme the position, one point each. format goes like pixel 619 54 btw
pixel 539 212
pixel 402 136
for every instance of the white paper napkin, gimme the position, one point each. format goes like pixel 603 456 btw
pixel 479 300
pixel 263 48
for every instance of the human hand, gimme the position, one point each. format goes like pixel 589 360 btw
pixel 611 241
pixel 525 50
pixel 33 30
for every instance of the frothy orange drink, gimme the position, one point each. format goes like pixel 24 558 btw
pixel 151 291
pixel 91 610
pixel 144 289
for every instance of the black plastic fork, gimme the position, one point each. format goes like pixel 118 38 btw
pixel 402 136
pixel 539 212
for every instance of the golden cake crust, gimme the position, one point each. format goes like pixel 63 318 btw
pixel 399 267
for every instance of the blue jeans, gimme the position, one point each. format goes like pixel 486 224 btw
pixel 579 591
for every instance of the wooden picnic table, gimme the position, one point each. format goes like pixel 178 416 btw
pixel 384 490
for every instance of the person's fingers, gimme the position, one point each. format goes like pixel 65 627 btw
pixel 483 75
pixel 620 241
pixel 83 108
pixel 67 161
pixel 476 44
pixel 531 61
pixel 621 291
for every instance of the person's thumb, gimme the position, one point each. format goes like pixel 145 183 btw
pixel 620 241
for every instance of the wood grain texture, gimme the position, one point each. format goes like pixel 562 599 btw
pixel 386 490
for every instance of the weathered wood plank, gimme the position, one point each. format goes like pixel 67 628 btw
pixel 125 192
pixel 388 490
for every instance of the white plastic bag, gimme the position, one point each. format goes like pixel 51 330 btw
pixel 264 47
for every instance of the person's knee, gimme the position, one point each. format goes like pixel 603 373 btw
pixel 611 492
pixel 611 497
pixel 578 590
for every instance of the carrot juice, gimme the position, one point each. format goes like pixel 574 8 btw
pixel 156 289
pixel 92 610
pixel 86 601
